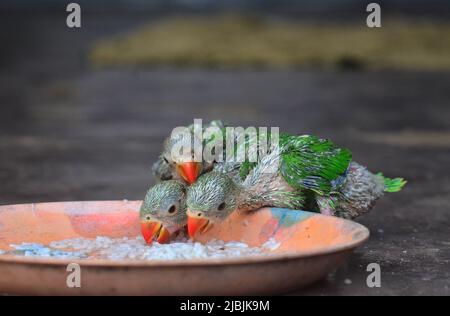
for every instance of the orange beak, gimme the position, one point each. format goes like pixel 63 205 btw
pixel 197 224
pixel 189 171
pixel 154 230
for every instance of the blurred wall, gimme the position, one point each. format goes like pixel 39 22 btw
pixel 338 7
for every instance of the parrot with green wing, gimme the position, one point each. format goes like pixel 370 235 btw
pixel 303 172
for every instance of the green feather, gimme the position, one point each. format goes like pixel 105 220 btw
pixel 245 169
pixel 308 162
pixel 292 200
pixel 392 185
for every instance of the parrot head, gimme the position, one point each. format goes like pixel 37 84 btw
pixel 210 199
pixel 182 168
pixel 163 211
pixel 164 169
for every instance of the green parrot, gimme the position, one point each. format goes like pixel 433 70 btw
pixel 166 168
pixel 303 172
pixel 163 211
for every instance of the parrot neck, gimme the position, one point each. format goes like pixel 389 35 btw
pixel 264 186
pixel 249 199
pixel 266 190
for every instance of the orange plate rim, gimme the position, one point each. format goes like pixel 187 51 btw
pixel 361 232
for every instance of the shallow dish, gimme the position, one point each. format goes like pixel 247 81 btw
pixel 310 246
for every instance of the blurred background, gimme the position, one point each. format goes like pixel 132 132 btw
pixel 83 111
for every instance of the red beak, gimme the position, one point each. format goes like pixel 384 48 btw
pixel 197 224
pixel 154 230
pixel 189 171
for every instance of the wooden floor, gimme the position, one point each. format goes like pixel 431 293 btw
pixel 69 132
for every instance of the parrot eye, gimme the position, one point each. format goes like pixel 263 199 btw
pixel 148 217
pixel 172 209
pixel 221 206
pixel 165 160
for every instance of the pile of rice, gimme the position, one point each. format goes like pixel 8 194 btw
pixel 136 249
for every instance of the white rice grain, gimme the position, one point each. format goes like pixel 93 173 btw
pixel 136 249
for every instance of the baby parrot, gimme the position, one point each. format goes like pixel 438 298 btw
pixel 309 173
pixel 163 211
pixel 166 167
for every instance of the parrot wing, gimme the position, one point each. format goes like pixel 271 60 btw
pixel 309 162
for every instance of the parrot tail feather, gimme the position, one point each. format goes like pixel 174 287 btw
pixel 392 185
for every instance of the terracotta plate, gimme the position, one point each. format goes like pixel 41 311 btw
pixel 311 245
